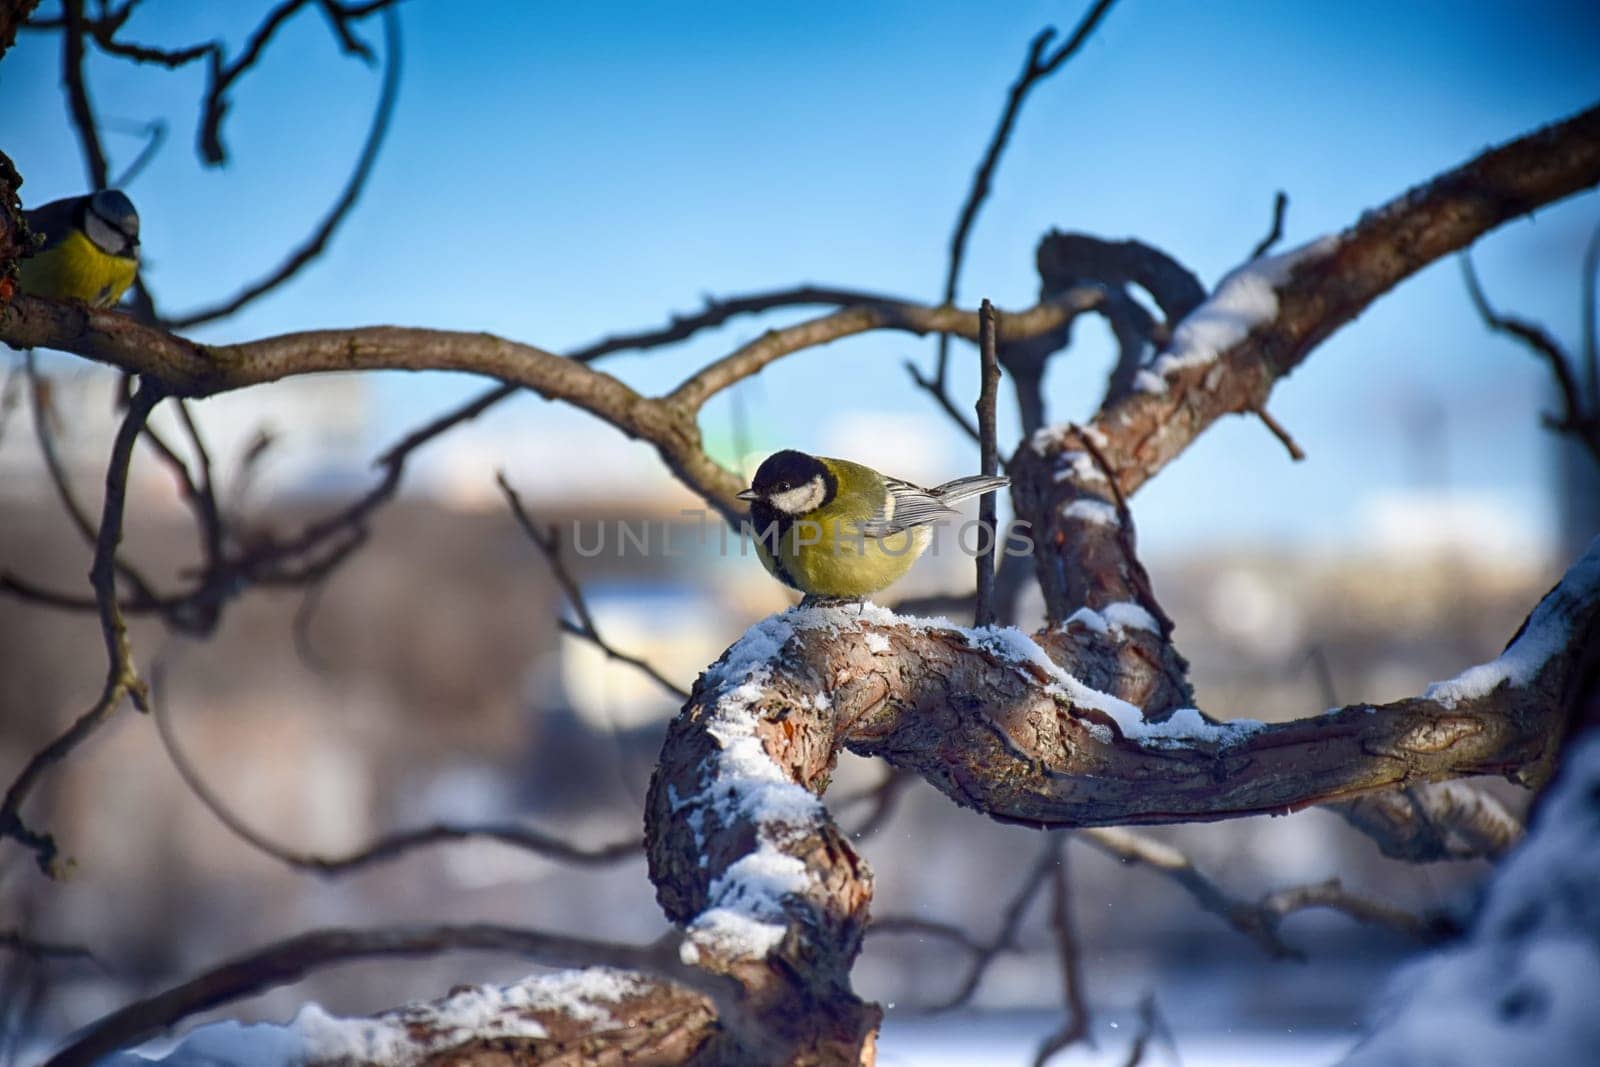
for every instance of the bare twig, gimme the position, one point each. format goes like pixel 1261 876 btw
pixel 292 959
pixel 1279 204
pixel 1577 418
pixel 19 943
pixel 1261 919
pixel 386 848
pixel 1296 453
pixel 941 395
pixel 83 117
pixel 884 796
pixel 318 241
pixel 1070 956
pixel 549 542
pixel 155 134
pixel 1150 1026
pixel 1035 67
pixel 1005 938
pixel 988 461
pixel 121 679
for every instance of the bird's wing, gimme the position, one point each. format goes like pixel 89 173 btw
pixel 53 220
pixel 970 486
pixel 905 506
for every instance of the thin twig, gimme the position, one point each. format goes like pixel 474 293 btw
pixel 1005 938
pixel 388 847
pixel 121 679
pixel 318 241
pixel 884 796
pixel 1069 954
pixel 1259 920
pixel 17 942
pixel 1151 1025
pixel 1576 420
pixel 292 959
pixel 83 117
pixel 43 418
pixel 1035 68
pixel 1296 453
pixel 988 459
pixel 155 133
pixel 549 542
pixel 1279 204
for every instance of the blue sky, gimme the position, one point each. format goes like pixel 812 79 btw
pixel 558 172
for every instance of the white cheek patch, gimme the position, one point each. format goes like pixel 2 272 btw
pixel 800 499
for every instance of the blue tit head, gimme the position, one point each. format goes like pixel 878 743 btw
pixel 792 483
pixel 110 221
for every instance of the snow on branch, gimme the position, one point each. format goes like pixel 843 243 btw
pixel 534 1019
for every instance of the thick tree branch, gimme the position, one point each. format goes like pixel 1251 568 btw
pixel 292 959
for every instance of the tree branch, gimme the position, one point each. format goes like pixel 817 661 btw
pixel 292 959
pixel 121 678
pixel 1035 67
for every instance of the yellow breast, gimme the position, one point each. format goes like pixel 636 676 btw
pixel 75 269
pixel 829 562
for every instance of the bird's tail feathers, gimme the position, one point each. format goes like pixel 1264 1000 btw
pixel 964 488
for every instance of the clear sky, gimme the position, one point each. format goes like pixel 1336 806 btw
pixel 559 172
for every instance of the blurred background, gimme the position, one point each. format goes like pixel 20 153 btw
pixel 555 174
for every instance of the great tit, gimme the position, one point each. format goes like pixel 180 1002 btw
pixel 90 251
pixel 837 530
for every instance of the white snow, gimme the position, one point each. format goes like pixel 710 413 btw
pixel 406 1035
pixel 877 644
pixel 1087 616
pixel 1245 299
pixel 1548 631
pixel 1082 466
pixel 1094 511
pixel 1524 986
pixel 1126 615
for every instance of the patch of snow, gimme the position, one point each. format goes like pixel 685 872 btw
pixel 1246 298
pixel 1186 726
pixel 1146 381
pixel 1126 615
pixel 1079 467
pixel 1547 633
pixel 877 644
pixel 1522 986
pixel 1090 618
pixel 405 1036
pixel 1093 511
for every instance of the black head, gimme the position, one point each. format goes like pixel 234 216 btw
pixel 792 482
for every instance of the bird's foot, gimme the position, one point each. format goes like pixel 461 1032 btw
pixel 813 600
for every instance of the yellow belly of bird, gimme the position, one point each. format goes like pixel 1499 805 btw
pixel 836 563
pixel 76 270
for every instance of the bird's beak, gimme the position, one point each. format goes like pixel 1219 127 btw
pixel 748 494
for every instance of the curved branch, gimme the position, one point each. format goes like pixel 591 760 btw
pixel 390 846
pixel 1261 322
pixel 317 242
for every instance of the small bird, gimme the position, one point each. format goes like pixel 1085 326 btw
pixel 837 530
pixel 90 251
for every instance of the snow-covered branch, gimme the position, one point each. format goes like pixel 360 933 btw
pixel 745 857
